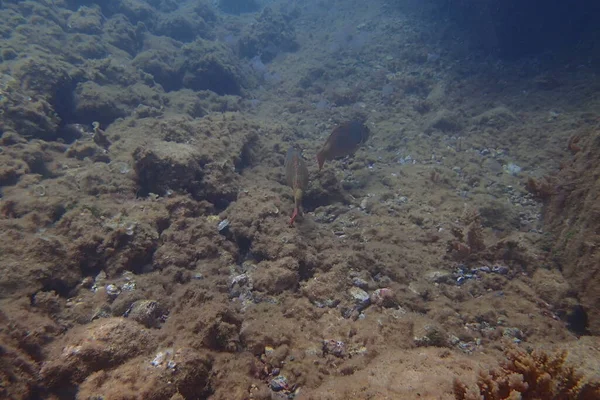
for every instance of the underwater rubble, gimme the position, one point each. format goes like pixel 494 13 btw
pixel 448 244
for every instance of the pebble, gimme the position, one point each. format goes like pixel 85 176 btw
pixel 512 169
pixel 500 269
pixel 223 225
pixel 364 204
pixel 279 383
pixel 87 282
pixel 467 347
pixel 406 160
pixel 360 283
pixel 241 280
pixel 130 229
pixel 513 333
pixel 164 359
pixel 329 303
pixel 112 290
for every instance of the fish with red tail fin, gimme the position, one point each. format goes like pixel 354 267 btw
pixel 343 141
pixel 296 175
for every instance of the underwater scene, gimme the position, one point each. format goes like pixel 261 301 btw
pixel 299 199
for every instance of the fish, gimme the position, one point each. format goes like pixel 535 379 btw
pixel 296 175
pixel 343 141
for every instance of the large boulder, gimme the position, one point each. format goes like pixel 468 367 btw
pixel 573 215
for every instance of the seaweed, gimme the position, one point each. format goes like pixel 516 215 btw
pixel 530 375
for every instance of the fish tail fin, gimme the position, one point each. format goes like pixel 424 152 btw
pixel 294 215
pixel 320 159
pixel 297 205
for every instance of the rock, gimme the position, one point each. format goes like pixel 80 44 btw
pixel 551 286
pixel 146 312
pixel 512 169
pixel 49 302
pixel 238 7
pixel 163 63
pixel 360 297
pixel 119 32
pixel 81 150
pixel 33 119
pixel 383 297
pixel 444 121
pixel 223 225
pixel 211 66
pixel 360 283
pixel 167 165
pixel 186 101
pixel 183 373
pixel 427 334
pixel 271 34
pixel 334 347
pixel 137 10
pixel 112 290
pixel 273 277
pixel 99 345
pixel 497 117
pixel 182 27
pixel 94 102
pixel 364 204
pixel 500 269
pixel 279 383
pixel 86 20
pixel 440 277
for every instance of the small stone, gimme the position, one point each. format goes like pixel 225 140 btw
pixel 512 169
pixel 513 333
pixel 364 204
pixel 162 358
pixel 112 290
pixel 241 280
pixel 87 282
pixel 101 312
pixel 360 283
pixel 279 383
pixel 500 269
pixel 223 225
pixel 130 229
